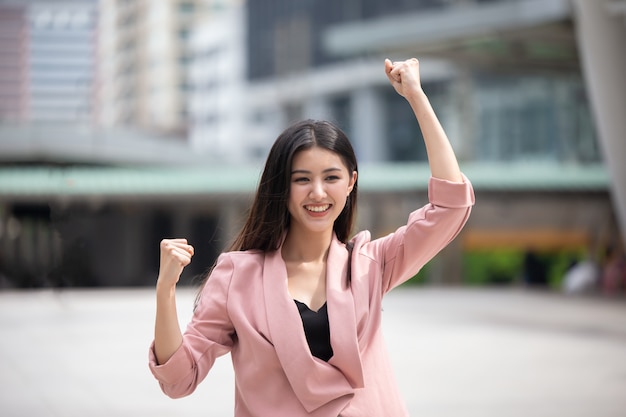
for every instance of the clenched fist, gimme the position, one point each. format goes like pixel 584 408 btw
pixel 404 76
pixel 175 256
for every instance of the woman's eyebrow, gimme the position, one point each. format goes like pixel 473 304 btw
pixel 304 171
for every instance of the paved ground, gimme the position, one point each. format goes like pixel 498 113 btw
pixel 466 352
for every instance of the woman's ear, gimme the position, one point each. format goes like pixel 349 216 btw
pixel 352 182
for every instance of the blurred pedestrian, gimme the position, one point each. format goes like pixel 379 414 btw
pixel 582 277
pixel 295 300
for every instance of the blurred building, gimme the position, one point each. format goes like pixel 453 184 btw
pixel 48 65
pixel 13 72
pixel 504 76
pixel 144 56
pixel 51 89
pixel 506 79
pixel 217 87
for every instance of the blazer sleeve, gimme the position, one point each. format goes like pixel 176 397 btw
pixel 429 229
pixel 209 334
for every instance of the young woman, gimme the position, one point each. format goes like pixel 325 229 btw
pixel 295 302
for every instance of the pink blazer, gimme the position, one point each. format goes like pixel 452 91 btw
pixel 245 309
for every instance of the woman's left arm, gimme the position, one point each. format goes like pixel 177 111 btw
pixel 405 78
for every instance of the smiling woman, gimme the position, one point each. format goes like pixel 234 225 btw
pixel 295 300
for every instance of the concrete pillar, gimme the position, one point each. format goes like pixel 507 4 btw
pixel 601 35
pixel 367 125
pixel 462 132
pixel 232 215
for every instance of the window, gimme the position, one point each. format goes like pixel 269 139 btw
pixel 534 118
pixel 403 134
pixel 183 34
pixel 341 109
pixel 186 8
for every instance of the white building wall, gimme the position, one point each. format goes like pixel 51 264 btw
pixel 161 107
pixel 217 80
pixel 118 63
pixel 368 121
pixel 145 56
pixel 107 62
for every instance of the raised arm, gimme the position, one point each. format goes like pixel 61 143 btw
pixel 405 78
pixel 175 255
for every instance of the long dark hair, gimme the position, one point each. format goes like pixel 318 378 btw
pixel 268 218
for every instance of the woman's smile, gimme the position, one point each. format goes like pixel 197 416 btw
pixel 318 209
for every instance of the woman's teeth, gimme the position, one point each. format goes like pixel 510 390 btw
pixel 318 209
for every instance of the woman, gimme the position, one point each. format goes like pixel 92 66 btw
pixel 296 304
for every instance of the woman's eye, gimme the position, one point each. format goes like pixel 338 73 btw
pixel 301 179
pixel 332 178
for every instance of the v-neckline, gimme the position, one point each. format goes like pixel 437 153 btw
pixel 309 308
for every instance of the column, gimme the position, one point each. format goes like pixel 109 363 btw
pixel 367 125
pixel 601 35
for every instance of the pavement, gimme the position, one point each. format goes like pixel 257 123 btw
pixel 456 351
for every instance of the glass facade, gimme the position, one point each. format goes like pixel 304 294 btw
pixel 533 118
pixel 499 115
pixel 513 118
pixel 61 58
pixel 282 30
pixel 340 110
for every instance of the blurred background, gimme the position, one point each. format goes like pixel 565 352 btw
pixel 123 122
pixel 126 121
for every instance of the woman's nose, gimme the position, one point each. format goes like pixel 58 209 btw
pixel 318 190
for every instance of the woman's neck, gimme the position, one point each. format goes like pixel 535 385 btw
pixel 306 247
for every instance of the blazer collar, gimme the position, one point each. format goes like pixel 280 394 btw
pixel 314 381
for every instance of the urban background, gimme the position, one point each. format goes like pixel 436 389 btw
pixel 127 121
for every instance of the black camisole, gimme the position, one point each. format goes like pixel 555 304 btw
pixel 317 330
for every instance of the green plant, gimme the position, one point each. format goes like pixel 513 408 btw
pixel 501 266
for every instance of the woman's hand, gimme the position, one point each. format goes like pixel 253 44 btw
pixel 175 256
pixel 404 76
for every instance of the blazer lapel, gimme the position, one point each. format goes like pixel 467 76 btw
pixel 314 382
pixel 341 315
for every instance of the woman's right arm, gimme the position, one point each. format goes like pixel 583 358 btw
pixel 405 79
pixel 175 256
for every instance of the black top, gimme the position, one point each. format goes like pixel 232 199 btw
pixel 317 330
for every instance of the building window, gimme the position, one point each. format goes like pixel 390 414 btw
pixel 292 51
pixel 183 35
pixel 534 118
pixel 404 137
pixel 341 109
pixel 186 8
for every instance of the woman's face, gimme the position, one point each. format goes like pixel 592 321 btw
pixel 320 184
